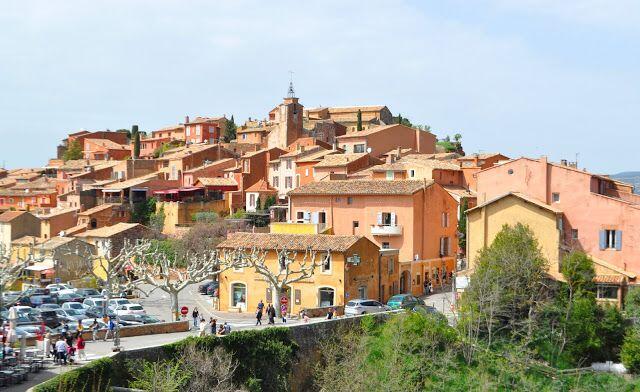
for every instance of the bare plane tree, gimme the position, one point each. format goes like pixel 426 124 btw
pixel 173 274
pixel 288 270
pixel 12 267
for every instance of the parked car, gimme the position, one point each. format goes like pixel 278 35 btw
pixel 33 290
pixel 60 288
pixel 49 317
pixel 115 302
pixel 363 306
pixel 404 301
pixel 204 288
pixel 140 318
pixel 212 290
pixel 52 306
pixel 99 302
pixel 69 297
pixel 75 306
pixel 70 314
pixel 98 312
pixel 88 293
pixel 37 300
pixel 130 309
pixel 31 330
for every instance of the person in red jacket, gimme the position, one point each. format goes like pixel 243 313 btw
pixel 80 347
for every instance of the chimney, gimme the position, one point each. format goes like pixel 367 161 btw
pixel 186 119
pixel 563 162
pixel 334 146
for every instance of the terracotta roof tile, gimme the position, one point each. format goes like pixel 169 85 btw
pixel 96 209
pixel 300 242
pixel 334 160
pixel 109 231
pixel 260 186
pixel 361 187
pixel 217 181
pixel 106 143
pixel 10 215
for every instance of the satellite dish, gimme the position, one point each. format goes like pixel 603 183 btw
pixel 369 150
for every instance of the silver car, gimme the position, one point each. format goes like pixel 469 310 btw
pixel 364 306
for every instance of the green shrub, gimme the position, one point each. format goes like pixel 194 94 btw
pixel 95 376
pixel 632 302
pixel 630 352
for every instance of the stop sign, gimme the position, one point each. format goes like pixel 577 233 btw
pixel 284 300
pixel 184 310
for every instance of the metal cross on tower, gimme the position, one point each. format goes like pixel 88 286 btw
pixel 291 93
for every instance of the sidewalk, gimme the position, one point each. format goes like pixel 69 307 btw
pixel 442 302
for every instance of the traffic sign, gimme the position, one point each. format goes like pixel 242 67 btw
pixel 284 300
pixel 184 310
pixel 58 280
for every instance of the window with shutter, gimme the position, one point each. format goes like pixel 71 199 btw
pixel 379 218
pixel 618 240
pixel 603 239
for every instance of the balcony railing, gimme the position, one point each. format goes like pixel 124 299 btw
pixel 388 230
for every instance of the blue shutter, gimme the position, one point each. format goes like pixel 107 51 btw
pixel 618 239
pixel 603 240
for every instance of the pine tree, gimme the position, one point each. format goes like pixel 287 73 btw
pixel 230 130
pixel 462 225
pixel 359 126
pixel 399 118
pixel 74 151
pixel 135 134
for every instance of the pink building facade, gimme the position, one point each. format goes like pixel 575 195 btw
pixel 601 216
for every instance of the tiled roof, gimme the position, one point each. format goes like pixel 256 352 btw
pixel 260 186
pixel 372 130
pixel 317 156
pixel 458 191
pixel 201 120
pixel 25 192
pixel 256 129
pixel 340 159
pixel 184 151
pixel 56 242
pixel 108 231
pixel 132 182
pixel 300 242
pixel 484 155
pixel 361 187
pixel 7 182
pixel 348 109
pixel 10 215
pixel 39 184
pixel 411 161
pixel 106 143
pixel 96 209
pixel 519 196
pixel 56 212
pixel 217 181
pixel 27 240
pixel 214 163
pixel 611 279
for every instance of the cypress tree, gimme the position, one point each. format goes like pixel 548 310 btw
pixel 399 118
pixel 136 141
pixel 359 126
pixel 230 130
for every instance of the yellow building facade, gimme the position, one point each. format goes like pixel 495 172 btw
pixel 353 271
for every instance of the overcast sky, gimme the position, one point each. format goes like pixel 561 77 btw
pixel 522 77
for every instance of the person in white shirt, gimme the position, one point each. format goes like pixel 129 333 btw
pixel 61 350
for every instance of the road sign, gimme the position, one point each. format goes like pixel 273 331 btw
pixel 58 280
pixel 284 300
pixel 184 310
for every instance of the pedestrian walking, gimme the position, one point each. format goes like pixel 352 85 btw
pixel 111 329
pixel 271 312
pixel 283 312
pixel 61 351
pixel 259 314
pixel 330 314
pixel 195 314
pixel 304 316
pixel 80 346
pixel 227 328
pixel 203 328
pixel 212 323
pixel 47 344
pixel 426 287
pixel 94 329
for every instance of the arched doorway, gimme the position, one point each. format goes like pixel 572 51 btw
pixel 326 296
pixel 239 296
pixel 93 223
pixel 405 282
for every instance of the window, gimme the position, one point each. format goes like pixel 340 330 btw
pixel 246 165
pixel 356 224
pixel 387 219
pixel 574 234
pixel 297 296
pixel 412 173
pixel 390 265
pixel 418 279
pixel 276 181
pixel 349 200
pixel 555 197
pixel 510 171
pixel 306 172
pixel 288 163
pixel 358 148
pixel 187 130
pixel 239 295
pixel 607 292
pixel 300 216
pixel 385 245
pixel 390 175
pixel 611 239
pixel 445 219
pixel 198 129
pixel 445 246
pixel 325 295
pixel 362 292
pixel 252 200
pixel 244 136
pixel 326 264
pixel 288 182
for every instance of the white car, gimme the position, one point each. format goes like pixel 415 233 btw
pixel 115 302
pixel 97 302
pixel 363 306
pixel 75 306
pixel 130 309
pixel 60 288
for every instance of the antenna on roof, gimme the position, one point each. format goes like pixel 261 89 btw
pixel 291 93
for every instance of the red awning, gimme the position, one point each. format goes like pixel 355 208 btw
pixel 166 192
pixel 190 189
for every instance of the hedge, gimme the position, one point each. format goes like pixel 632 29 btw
pixel 265 359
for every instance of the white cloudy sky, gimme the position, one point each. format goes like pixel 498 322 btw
pixel 526 77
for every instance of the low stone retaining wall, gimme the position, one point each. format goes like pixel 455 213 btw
pixel 322 312
pixel 132 330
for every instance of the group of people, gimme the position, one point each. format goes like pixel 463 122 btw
pixel 67 346
pixel 201 325
pixel 270 311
